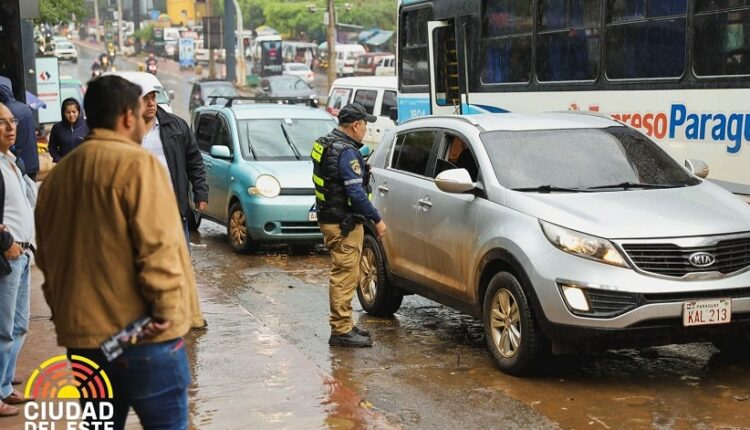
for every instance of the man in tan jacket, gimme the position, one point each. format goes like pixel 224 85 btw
pixel 112 250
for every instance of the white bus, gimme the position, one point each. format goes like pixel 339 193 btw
pixel 677 70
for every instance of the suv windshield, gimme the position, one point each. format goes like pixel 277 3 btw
pixel 598 159
pixel 281 139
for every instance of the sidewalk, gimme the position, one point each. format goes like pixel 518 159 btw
pixel 244 375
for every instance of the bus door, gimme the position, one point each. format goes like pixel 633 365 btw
pixel 445 84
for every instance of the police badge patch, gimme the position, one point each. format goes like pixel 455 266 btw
pixel 356 167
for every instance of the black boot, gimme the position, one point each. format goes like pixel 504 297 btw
pixel 352 339
pixel 361 331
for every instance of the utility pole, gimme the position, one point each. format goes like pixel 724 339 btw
pixel 229 41
pixel 96 20
pixel 331 43
pixel 119 25
pixel 241 64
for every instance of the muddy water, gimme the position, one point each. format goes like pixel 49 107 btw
pixel 429 367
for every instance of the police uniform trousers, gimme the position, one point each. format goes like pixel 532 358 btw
pixel 346 253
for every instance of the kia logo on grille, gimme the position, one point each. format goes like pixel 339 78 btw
pixel 702 259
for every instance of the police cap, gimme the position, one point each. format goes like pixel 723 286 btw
pixel 354 112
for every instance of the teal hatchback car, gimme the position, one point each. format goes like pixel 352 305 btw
pixel 259 171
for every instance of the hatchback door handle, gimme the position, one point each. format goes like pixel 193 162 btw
pixel 425 202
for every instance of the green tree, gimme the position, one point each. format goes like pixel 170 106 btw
pixel 57 11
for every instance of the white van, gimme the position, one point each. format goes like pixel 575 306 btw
pixel 346 58
pixel 386 66
pixel 376 93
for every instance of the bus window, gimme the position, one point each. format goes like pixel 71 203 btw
pixel 630 10
pixel 506 41
pixel 720 44
pixel 645 39
pixel 568 40
pixel 413 47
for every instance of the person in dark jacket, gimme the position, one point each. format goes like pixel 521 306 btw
pixel 67 134
pixel 25 146
pixel 169 139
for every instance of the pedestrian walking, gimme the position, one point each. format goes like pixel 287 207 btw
pixel 121 256
pixel 67 134
pixel 341 178
pixel 25 146
pixel 17 198
pixel 168 137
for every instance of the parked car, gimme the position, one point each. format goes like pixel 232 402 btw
pixel 64 50
pixel 386 66
pixel 202 92
pixel 259 170
pixel 163 98
pixel 367 63
pixel 300 70
pixel 285 86
pixel 560 231
pixel 376 94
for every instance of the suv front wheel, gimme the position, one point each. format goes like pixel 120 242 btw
pixel 376 295
pixel 513 336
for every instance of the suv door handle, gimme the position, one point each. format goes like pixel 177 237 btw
pixel 425 203
pixel 383 189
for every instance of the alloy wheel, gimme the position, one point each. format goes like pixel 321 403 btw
pixel 506 323
pixel 369 275
pixel 238 229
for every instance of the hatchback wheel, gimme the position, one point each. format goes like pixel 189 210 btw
pixel 513 336
pixel 239 236
pixel 376 295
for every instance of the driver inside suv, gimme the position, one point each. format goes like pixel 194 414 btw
pixel 458 156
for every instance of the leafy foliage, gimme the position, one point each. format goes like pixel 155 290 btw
pixel 293 19
pixel 57 11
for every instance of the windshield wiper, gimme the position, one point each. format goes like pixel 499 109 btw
pixel 290 142
pixel 546 189
pixel 629 185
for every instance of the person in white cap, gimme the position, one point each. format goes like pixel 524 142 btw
pixel 168 137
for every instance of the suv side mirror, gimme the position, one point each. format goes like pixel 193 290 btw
pixel 697 167
pixel 455 181
pixel 393 114
pixel 220 151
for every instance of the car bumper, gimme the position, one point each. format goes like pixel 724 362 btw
pixel 282 218
pixel 628 307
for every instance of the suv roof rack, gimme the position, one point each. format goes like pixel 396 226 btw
pixel 312 102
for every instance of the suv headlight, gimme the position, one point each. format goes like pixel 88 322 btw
pixel 583 245
pixel 266 186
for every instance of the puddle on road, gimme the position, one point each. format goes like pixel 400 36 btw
pixel 435 357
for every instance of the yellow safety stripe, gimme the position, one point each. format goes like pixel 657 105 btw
pixel 319 181
pixel 317 151
pixel 320 196
pixel 315 156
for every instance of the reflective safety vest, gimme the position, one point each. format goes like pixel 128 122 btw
pixel 330 193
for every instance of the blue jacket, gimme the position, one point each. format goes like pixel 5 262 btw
pixel 65 136
pixel 25 146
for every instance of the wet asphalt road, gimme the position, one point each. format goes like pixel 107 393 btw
pixel 429 367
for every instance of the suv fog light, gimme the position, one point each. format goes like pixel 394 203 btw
pixel 575 298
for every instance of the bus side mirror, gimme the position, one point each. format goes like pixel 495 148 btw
pixel 393 114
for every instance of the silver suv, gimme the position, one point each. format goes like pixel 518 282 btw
pixel 560 231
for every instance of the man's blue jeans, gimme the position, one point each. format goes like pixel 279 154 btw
pixel 152 379
pixel 14 319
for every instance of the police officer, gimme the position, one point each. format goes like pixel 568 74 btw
pixel 341 179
